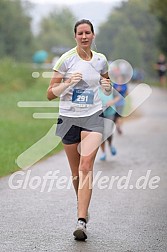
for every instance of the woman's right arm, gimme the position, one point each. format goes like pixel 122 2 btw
pixel 57 87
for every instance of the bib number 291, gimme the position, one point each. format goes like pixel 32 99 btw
pixel 83 96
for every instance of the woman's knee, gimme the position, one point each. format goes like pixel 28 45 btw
pixel 86 166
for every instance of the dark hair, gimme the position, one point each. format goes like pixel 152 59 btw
pixel 83 21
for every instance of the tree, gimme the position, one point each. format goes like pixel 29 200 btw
pixel 132 18
pixel 147 28
pixel 16 37
pixel 56 30
pixel 127 46
pixel 108 31
pixel 159 9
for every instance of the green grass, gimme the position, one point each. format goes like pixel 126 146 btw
pixel 18 129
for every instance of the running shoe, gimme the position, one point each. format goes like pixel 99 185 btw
pixel 80 231
pixel 113 150
pixel 103 157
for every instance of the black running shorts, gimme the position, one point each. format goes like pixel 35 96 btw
pixel 70 128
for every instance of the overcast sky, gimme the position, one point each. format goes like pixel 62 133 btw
pixel 96 17
pixel 73 1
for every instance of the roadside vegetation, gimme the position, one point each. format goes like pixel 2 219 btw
pixel 19 130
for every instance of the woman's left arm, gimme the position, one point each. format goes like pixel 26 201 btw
pixel 106 84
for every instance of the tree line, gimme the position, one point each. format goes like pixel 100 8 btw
pixel 135 31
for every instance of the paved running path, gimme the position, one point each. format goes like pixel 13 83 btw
pixel 122 220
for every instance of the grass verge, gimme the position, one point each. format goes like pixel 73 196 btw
pixel 18 129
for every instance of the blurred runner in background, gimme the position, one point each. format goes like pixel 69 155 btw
pixel 161 67
pixel 120 104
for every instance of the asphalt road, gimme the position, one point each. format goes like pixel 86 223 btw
pixel 129 203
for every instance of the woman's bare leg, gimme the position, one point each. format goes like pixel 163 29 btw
pixel 89 140
pixel 74 160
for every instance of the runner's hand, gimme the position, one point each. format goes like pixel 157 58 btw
pixel 106 84
pixel 75 78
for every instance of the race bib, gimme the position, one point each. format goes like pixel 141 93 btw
pixel 83 97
